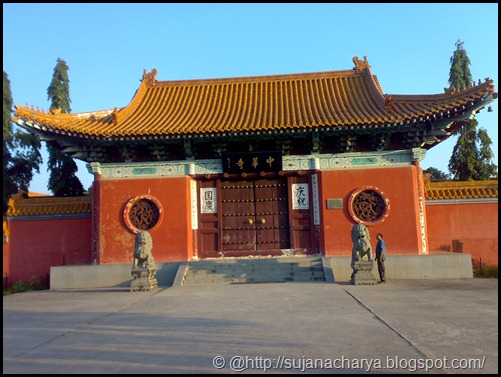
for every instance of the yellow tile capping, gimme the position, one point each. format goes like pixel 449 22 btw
pixel 21 205
pixel 460 189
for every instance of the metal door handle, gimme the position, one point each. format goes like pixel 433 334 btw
pixel 262 221
pixel 249 221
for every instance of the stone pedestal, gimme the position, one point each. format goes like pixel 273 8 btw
pixel 143 279
pixel 362 273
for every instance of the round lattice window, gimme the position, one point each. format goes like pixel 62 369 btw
pixel 368 205
pixel 142 213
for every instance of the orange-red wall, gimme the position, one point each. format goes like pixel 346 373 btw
pixel 401 228
pixel 475 225
pixel 36 245
pixel 6 262
pixel 172 239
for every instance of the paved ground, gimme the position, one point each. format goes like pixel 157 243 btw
pixel 403 326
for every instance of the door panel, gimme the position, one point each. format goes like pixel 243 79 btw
pixel 255 215
pixel 238 215
pixel 271 214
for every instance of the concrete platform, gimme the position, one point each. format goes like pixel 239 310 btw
pixel 402 326
pixel 337 269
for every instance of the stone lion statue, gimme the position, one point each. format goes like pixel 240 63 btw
pixel 142 250
pixel 361 243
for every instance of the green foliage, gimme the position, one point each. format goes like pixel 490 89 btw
pixel 482 270
pixel 21 151
pixel 62 179
pixel 7 108
pixel 8 185
pixel 472 155
pixel 460 75
pixel 58 91
pixel 486 170
pixel 22 286
pixel 436 174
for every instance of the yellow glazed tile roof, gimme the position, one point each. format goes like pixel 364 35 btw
pixel 335 99
pixel 21 204
pixel 460 189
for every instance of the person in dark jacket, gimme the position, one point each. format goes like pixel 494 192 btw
pixel 381 257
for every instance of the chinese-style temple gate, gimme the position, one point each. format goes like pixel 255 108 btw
pixel 269 165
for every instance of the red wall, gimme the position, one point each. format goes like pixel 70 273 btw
pixel 172 239
pixel 401 228
pixel 36 245
pixel 475 225
pixel 6 263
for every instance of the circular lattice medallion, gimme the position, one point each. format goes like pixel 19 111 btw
pixel 143 212
pixel 368 205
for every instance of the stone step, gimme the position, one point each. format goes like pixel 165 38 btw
pixel 250 280
pixel 205 265
pixel 256 269
pixel 251 269
pixel 247 271
pixel 294 275
pixel 219 264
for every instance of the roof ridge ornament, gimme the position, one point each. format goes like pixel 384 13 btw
pixel 150 78
pixel 361 65
pixel 55 110
pixel 388 102
pixel 114 116
pixel 488 82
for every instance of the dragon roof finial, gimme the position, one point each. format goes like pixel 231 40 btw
pixel 150 78
pixel 360 65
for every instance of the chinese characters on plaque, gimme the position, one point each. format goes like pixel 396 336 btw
pixel 300 196
pixel 208 203
pixel 252 162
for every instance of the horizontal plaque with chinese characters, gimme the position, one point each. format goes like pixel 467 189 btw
pixel 252 162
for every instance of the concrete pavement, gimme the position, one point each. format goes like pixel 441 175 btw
pixel 402 326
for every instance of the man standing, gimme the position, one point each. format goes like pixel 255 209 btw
pixel 380 257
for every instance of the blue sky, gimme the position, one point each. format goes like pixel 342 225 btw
pixel 107 47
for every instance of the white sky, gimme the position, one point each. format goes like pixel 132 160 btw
pixel 107 47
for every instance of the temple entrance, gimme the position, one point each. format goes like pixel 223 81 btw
pixel 254 215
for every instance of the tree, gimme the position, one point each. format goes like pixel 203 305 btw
pixel 21 151
pixel 472 155
pixel 459 75
pixel 436 174
pixel 62 179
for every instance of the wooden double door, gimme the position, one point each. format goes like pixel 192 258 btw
pixel 254 215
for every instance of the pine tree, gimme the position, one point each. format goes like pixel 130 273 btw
pixel 62 179
pixel 21 151
pixel 472 155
